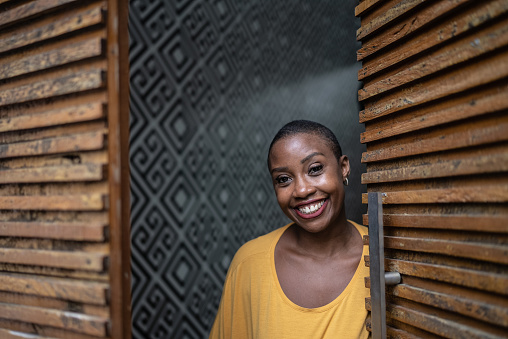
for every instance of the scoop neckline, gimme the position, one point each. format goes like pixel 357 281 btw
pixel 325 307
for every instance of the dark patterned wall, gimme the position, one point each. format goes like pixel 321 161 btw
pixel 211 83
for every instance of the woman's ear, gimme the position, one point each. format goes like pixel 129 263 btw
pixel 344 166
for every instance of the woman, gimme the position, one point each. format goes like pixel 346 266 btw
pixel 306 279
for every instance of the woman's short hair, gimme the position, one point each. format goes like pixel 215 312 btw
pixel 308 127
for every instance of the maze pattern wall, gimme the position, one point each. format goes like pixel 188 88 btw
pixel 211 83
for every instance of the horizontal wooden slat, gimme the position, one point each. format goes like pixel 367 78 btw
pixel 62 259
pixel 393 13
pixel 483 311
pixel 57 57
pixel 58 288
pixel 74 82
pixel 484 223
pixel 456 81
pixel 435 324
pixel 451 55
pixel 404 28
pixel 445 168
pixel 67 24
pixel 83 202
pixel 448 138
pixel 8 334
pixel 365 5
pixel 477 251
pixel 76 322
pixel 72 143
pixel 459 109
pixel 77 231
pixel 70 114
pixel 485 193
pixel 485 281
pixel 438 34
pixel 30 9
pixel 86 172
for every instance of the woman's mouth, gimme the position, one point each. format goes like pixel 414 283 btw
pixel 311 210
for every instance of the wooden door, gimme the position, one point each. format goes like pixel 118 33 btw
pixel 435 97
pixel 64 187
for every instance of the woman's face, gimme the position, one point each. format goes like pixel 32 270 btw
pixel 308 181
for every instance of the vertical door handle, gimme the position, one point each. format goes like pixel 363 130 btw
pixel 378 277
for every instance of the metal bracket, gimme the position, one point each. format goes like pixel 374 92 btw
pixel 378 277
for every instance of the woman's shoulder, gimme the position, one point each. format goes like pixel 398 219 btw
pixel 362 229
pixel 257 247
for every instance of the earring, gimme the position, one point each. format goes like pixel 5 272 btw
pixel 346 182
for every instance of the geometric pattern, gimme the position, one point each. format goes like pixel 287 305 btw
pixel 211 81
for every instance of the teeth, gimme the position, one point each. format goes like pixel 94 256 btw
pixel 311 208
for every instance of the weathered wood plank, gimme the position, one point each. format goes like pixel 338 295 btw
pixel 483 194
pixel 62 259
pixel 452 82
pixel 408 26
pixel 9 334
pixel 365 5
pixel 30 9
pixel 484 132
pixel 438 34
pixel 70 23
pixel 435 324
pixel 56 57
pixel 477 251
pixel 396 333
pixel 71 143
pixel 76 231
pixel 83 202
pixel 67 115
pixel 77 322
pixel 58 288
pixel 445 168
pixel 85 172
pixel 459 109
pixel 450 55
pixel 458 304
pixel 486 281
pixel 403 7
pixel 73 82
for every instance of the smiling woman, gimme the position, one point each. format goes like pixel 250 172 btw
pixel 306 279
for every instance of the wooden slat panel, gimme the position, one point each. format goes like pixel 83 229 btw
pixel 438 34
pixel 83 202
pixel 71 83
pixel 57 57
pixel 484 223
pixel 8 334
pixel 62 259
pixel 401 8
pixel 451 55
pixel 76 231
pixel 434 10
pixel 59 288
pixel 73 143
pixel 70 114
pixel 87 172
pixel 477 251
pixel 456 81
pixel 459 109
pixel 483 311
pixel 446 168
pixel 497 283
pixel 31 35
pixel 30 9
pixel 365 5
pixel 66 320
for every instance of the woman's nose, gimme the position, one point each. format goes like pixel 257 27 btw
pixel 303 188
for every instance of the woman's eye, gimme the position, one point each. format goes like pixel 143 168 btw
pixel 316 169
pixel 282 180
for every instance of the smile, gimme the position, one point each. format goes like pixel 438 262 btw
pixel 311 210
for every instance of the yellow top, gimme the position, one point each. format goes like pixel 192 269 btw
pixel 253 304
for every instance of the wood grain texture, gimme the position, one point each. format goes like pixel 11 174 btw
pixel 365 5
pixel 30 9
pixel 76 231
pixel 85 172
pixel 83 202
